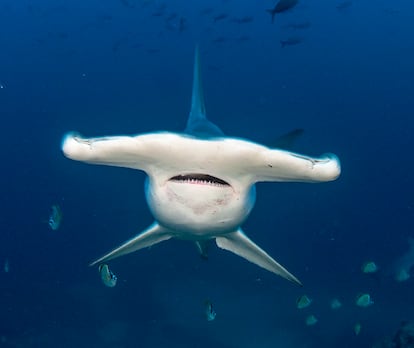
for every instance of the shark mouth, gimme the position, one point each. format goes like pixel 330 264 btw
pixel 199 179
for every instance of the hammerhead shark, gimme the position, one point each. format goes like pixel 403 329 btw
pixel 200 184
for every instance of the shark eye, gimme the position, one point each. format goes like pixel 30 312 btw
pixel 200 179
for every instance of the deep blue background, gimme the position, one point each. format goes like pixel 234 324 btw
pixel 114 67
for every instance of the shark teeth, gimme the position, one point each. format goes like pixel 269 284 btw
pixel 200 179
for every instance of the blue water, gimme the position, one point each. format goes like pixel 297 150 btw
pixel 125 67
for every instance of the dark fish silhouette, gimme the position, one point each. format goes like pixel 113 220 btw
pixel 220 17
pixel 391 11
pixel 178 24
pixel 291 41
pixel 243 38
pixel 127 4
pixel 160 11
pixel 213 67
pixel 344 5
pixel 182 24
pixel 282 6
pixel 117 44
pixel 206 11
pixel 242 20
pixel 220 40
pixel 104 18
pixel 171 17
pixel 62 35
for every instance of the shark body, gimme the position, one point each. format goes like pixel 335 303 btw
pixel 200 184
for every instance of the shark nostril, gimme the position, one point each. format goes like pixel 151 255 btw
pixel 200 179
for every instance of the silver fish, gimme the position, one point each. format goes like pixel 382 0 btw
pixel 108 278
pixel 6 266
pixel 209 311
pixel 55 217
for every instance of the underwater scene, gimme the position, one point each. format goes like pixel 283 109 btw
pixel 200 174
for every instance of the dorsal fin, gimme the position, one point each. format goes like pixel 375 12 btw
pixel 197 123
pixel 198 109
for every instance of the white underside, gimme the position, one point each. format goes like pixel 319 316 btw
pixel 198 211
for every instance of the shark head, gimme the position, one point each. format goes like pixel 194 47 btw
pixel 200 183
pixel 201 202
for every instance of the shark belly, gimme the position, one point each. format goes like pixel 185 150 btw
pixel 198 211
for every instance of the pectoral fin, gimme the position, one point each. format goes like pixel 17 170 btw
pixel 238 243
pixel 152 235
pixel 202 247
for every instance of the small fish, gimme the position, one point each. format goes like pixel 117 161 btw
pixel 213 67
pixel 242 20
pixel 220 40
pixel 220 17
pixel 311 320
pixel 160 11
pixel 402 275
pixel 6 266
pixel 403 265
pixel 108 278
pixel 206 11
pixel 182 24
pixel 391 11
pixel 364 300
pixel 171 17
pixel 153 50
pixel 291 41
pixel 127 4
pixel 336 304
pixel 243 38
pixel 303 302
pixel 104 18
pixel 55 218
pixel 282 6
pixel 209 311
pixel 357 329
pixel 344 5
pixel 369 267
pixel 117 44
pixel 63 35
